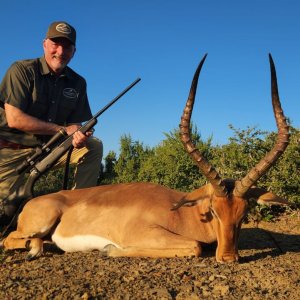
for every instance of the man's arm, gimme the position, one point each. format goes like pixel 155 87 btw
pixel 17 119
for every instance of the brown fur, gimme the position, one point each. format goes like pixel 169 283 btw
pixel 137 217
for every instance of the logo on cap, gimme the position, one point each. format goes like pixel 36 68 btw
pixel 63 28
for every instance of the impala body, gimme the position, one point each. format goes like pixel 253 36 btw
pixel 146 219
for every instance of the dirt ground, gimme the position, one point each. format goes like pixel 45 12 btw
pixel 269 268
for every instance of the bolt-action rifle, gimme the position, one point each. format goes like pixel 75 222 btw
pixel 47 155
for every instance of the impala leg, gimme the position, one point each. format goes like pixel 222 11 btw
pixel 17 240
pixel 159 242
pixel 35 222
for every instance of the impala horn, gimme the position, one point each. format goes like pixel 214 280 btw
pixel 242 186
pixel 204 166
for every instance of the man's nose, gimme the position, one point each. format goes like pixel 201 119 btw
pixel 60 49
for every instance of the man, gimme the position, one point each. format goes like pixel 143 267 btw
pixel 37 98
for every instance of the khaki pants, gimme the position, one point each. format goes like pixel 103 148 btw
pixel 88 160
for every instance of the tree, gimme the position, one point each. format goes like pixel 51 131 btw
pixel 169 164
pixel 284 177
pixel 108 173
pixel 172 166
pixel 128 165
pixel 245 150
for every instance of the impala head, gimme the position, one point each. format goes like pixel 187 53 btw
pixel 229 198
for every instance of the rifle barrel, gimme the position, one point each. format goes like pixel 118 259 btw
pixel 100 112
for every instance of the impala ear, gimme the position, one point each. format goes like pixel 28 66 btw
pixel 264 197
pixel 195 197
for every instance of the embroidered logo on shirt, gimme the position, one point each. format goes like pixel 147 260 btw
pixel 70 93
pixel 63 28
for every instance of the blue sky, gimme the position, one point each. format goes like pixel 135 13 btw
pixel 162 42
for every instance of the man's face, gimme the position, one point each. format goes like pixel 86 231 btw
pixel 58 53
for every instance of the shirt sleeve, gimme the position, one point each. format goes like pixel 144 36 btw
pixel 15 87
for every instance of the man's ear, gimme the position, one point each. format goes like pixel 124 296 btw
pixel 264 197
pixel 44 43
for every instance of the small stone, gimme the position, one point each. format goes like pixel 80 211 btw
pixel 223 289
pixel 212 278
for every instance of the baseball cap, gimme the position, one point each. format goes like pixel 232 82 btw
pixel 61 29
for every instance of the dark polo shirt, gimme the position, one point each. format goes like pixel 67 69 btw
pixel 30 86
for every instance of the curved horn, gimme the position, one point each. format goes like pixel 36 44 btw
pixel 282 142
pixel 205 168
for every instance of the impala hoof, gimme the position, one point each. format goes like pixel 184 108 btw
pixel 228 259
pixel 30 257
pixel 107 249
pixel 35 248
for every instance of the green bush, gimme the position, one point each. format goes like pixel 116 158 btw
pixel 169 164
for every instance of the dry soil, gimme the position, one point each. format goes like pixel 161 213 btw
pixel 269 268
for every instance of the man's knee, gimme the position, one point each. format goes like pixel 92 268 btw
pixel 96 146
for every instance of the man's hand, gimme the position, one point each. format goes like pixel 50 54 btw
pixel 79 139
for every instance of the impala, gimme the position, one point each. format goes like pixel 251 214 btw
pixel 146 219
